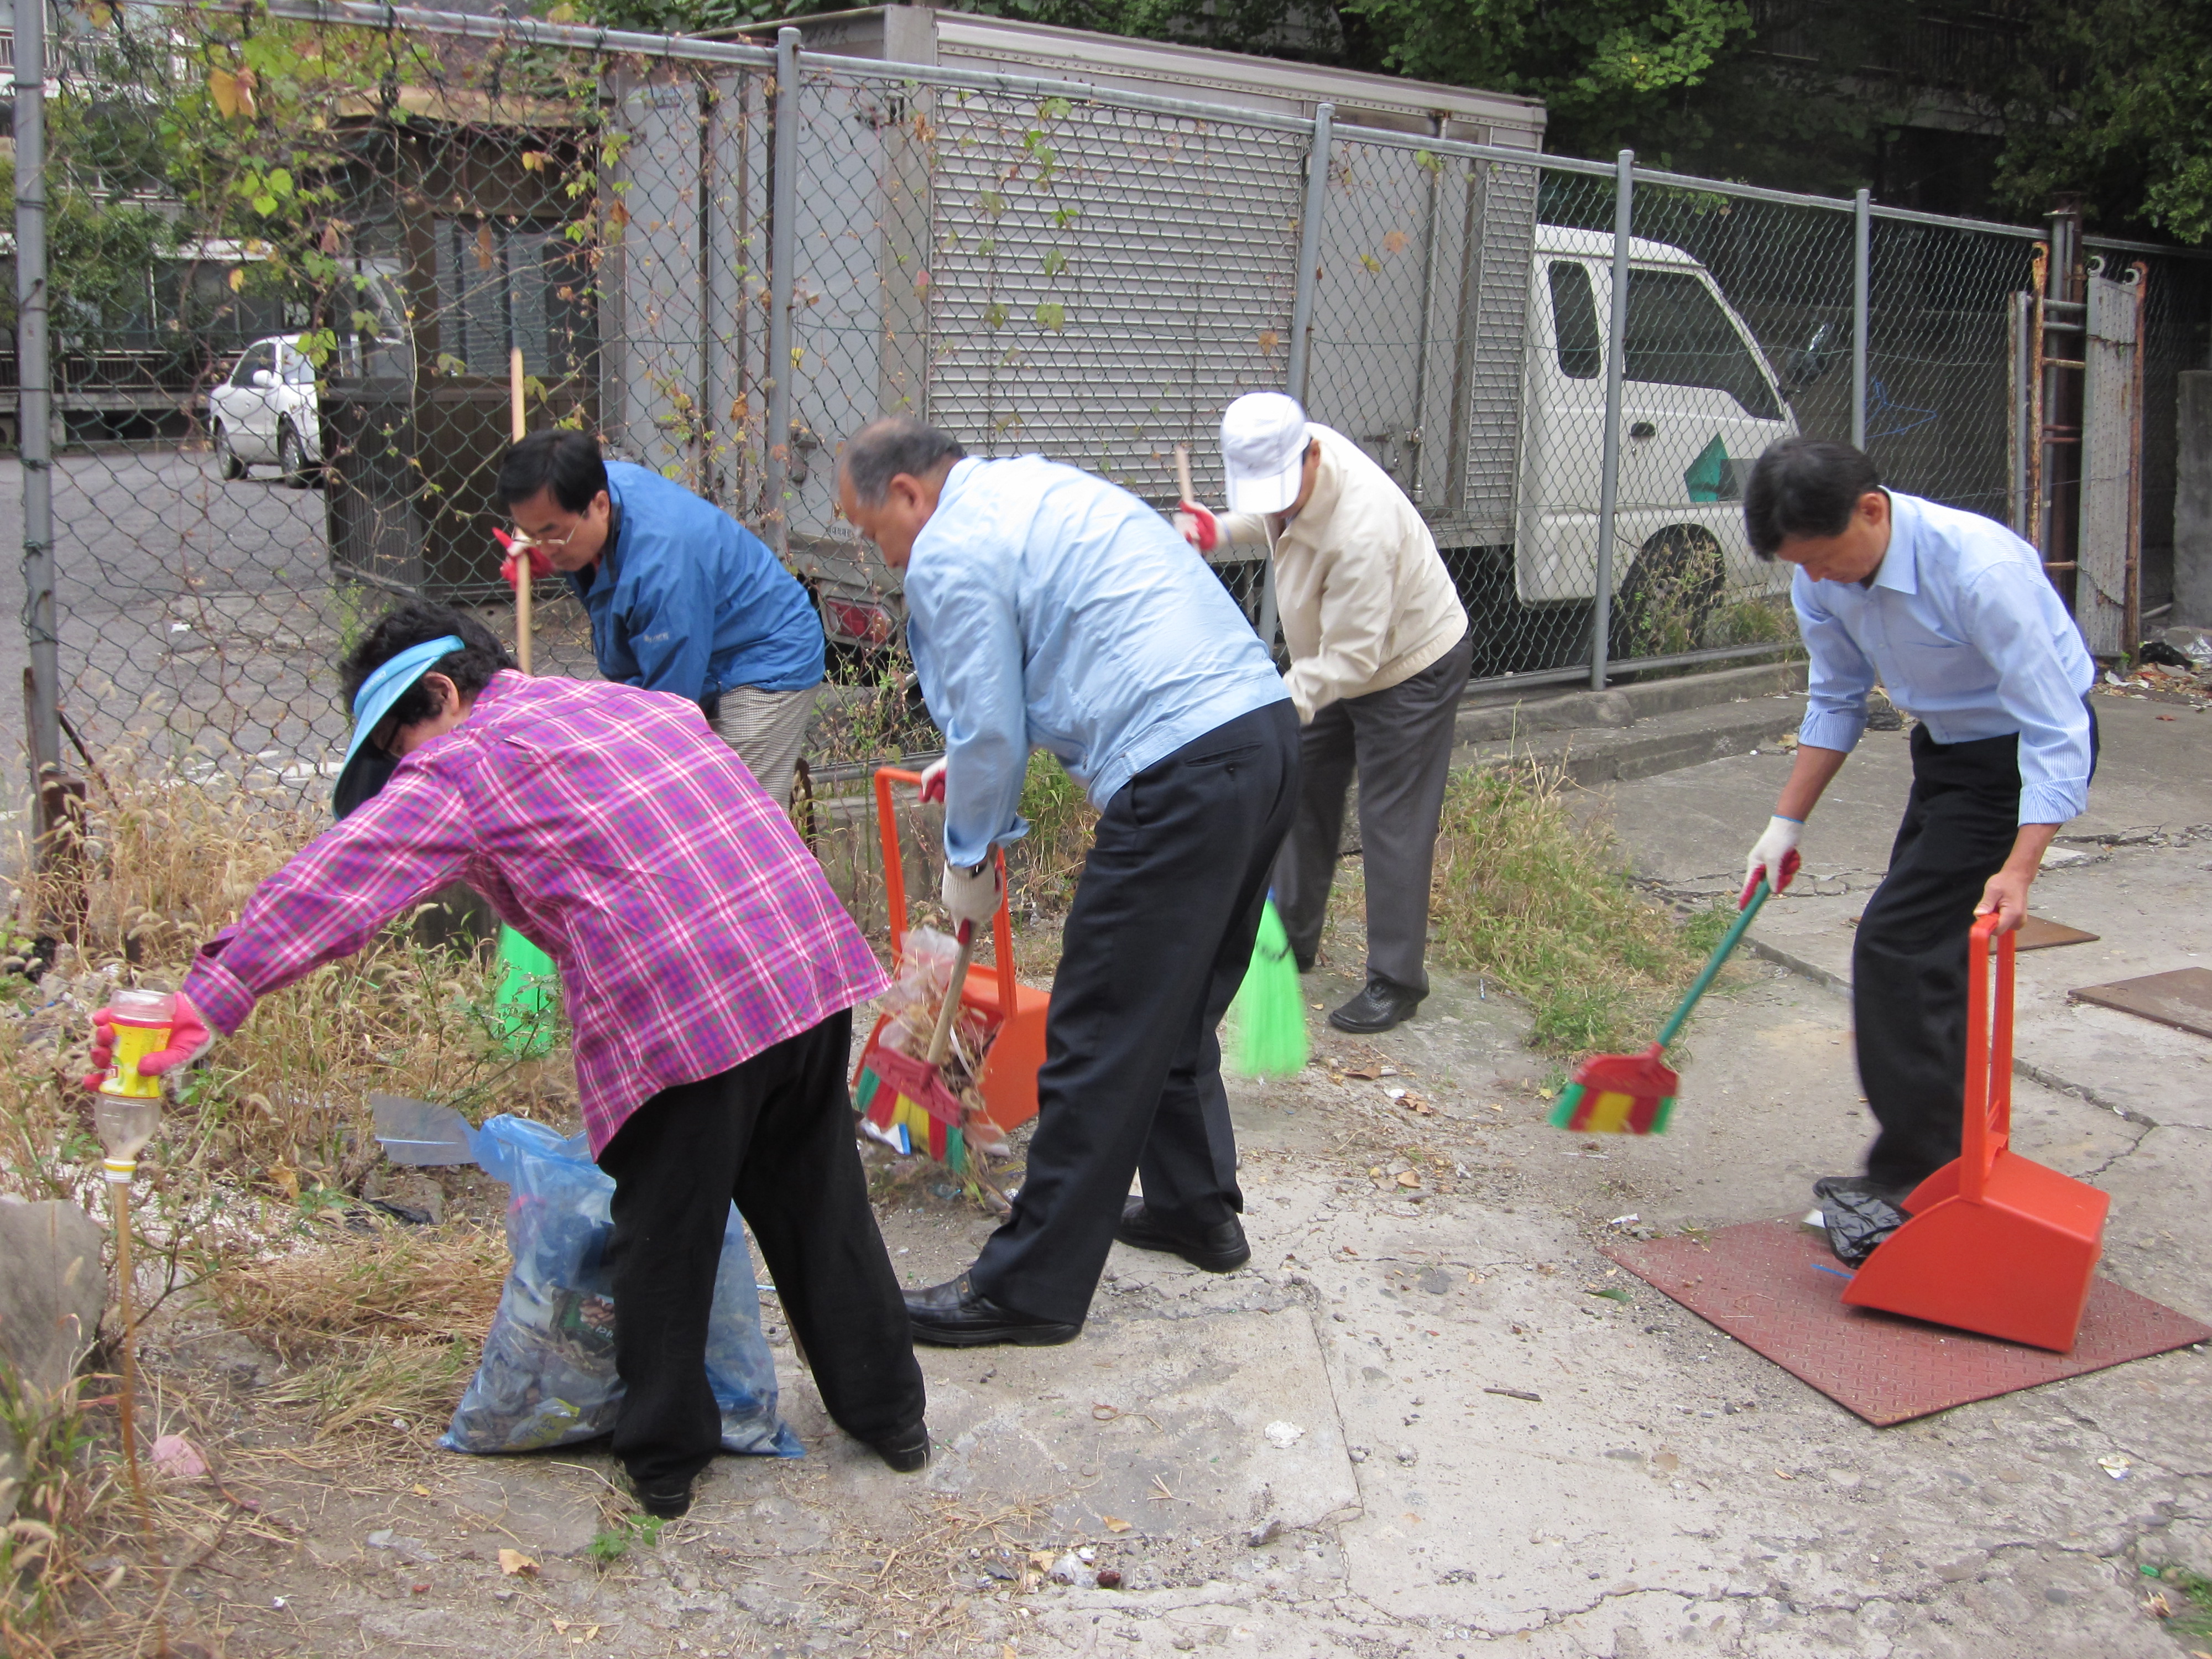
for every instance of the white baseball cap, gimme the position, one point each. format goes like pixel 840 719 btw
pixel 1263 452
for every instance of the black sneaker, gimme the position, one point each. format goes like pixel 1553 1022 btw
pixel 905 1452
pixel 664 1500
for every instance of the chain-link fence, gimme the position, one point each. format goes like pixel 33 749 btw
pixel 291 249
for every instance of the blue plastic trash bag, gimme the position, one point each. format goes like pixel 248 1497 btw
pixel 548 1376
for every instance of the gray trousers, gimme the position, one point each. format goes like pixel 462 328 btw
pixel 767 729
pixel 1398 740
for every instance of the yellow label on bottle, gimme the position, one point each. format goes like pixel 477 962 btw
pixel 132 1044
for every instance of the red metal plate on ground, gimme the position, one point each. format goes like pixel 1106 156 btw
pixel 2182 998
pixel 1776 1288
pixel 2039 934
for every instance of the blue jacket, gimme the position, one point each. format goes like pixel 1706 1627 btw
pixel 686 599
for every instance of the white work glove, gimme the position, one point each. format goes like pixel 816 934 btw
pixel 972 896
pixel 1197 525
pixel 1773 855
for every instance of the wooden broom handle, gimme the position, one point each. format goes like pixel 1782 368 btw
pixel 1183 475
pixel 522 562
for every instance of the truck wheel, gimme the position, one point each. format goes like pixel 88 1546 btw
pixel 1662 609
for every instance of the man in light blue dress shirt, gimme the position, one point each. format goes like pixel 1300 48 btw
pixel 1953 614
pixel 1049 609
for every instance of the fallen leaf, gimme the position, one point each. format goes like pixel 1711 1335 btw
pixel 1783 1475
pixel 1666 1462
pixel 512 1562
pixel 1395 242
pixel 1408 1178
pixel 422 1492
pixel 1369 1071
pixel 1269 340
pixel 1007 1652
pixel 1042 1559
pixel 1116 1523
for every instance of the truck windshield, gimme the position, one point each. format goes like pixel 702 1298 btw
pixel 1678 334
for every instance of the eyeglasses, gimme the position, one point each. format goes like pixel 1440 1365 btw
pixel 549 543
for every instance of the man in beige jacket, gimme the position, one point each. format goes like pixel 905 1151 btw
pixel 1379 655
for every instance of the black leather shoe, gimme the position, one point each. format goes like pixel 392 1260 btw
pixel 1377 1008
pixel 955 1315
pixel 906 1452
pixel 1219 1249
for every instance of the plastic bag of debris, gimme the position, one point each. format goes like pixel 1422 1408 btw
pixel 548 1376
pixel 1857 1220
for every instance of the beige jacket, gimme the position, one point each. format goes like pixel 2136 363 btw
pixel 1364 596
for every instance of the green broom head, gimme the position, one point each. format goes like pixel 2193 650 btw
pixel 528 1000
pixel 1267 1020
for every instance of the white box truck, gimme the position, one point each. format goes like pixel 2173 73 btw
pixel 1094 278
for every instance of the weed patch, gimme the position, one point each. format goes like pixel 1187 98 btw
pixel 1525 895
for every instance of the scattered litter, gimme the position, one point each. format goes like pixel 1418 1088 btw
pixel 1086 1555
pixel 177 1458
pixel 1517 1393
pixel 1628 1220
pixel 1282 1435
pixel 1266 1533
pixel 1110 1578
pixel 1067 1569
pixel 512 1562
pixel 2115 1465
pixel 1409 1456
pixel 412 1552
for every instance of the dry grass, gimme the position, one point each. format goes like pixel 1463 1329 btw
pixel 1525 895
pixel 397 1282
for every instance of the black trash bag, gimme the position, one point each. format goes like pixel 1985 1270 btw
pixel 1857 1219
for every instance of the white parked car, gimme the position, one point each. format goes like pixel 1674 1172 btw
pixel 264 411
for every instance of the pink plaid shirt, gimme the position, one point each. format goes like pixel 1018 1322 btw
pixel 609 826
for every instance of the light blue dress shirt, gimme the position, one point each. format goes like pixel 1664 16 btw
pixel 1963 629
pixel 1049 609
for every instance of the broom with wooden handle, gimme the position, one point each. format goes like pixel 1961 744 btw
pixel 1267 1020
pixel 524 1000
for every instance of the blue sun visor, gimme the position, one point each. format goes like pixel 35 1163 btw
pixel 368 768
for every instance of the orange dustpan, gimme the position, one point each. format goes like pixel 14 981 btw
pixel 1996 1244
pixel 892 1089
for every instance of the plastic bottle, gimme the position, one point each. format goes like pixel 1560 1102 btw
pixel 142 1020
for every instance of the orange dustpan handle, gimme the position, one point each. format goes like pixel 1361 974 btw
pixel 1002 924
pixel 1985 1125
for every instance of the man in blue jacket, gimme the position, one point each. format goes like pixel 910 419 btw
pixel 682 597
pixel 1048 609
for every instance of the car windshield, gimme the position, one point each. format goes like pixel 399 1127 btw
pixel 1678 334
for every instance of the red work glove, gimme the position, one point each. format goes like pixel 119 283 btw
pixel 541 562
pixel 932 779
pixel 1198 526
pixel 189 1038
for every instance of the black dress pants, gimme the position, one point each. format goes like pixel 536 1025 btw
pixel 775 1134
pixel 1909 960
pixel 1398 740
pixel 1157 942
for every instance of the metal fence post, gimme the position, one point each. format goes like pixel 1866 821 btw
pixel 34 408
pixel 1301 312
pixel 1861 293
pixel 1302 300
pixel 1624 196
pixel 782 255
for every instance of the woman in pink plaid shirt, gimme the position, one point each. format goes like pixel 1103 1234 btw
pixel 709 970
